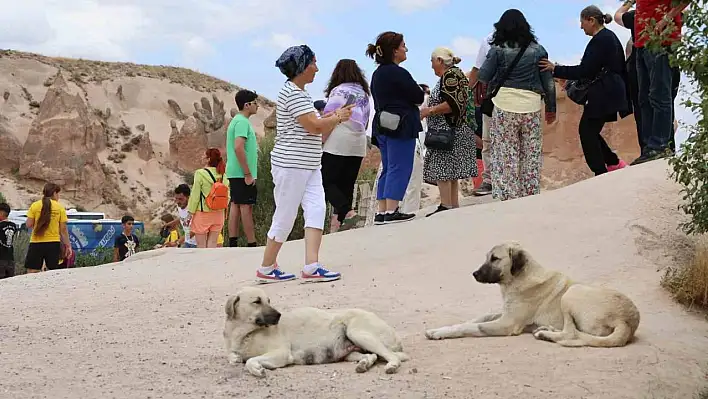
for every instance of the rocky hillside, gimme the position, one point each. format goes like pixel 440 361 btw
pixel 117 136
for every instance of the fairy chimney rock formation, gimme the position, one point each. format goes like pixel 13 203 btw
pixel 269 125
pixel 144 147
pixel 63 143
pixel 11 147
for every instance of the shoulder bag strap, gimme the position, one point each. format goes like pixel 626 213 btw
pixel 508 71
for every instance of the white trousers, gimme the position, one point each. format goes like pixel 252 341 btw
pixel 295 188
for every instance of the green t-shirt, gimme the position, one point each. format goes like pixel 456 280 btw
pixel 241 127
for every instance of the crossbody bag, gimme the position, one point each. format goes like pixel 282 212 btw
pixel 487 104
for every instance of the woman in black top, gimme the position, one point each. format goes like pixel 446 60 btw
pixel 603 60
pixel 396 95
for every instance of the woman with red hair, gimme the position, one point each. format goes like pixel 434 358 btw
pixel 208 189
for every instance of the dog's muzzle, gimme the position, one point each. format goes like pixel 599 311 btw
pixel 268 318
pixel 487 275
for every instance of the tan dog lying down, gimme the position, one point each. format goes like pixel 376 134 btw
pixel 561 311
pixel 264 338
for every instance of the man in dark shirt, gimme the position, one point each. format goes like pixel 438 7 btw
pixel 126 244
pixel 7 236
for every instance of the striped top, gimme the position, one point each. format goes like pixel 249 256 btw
pixel 294 146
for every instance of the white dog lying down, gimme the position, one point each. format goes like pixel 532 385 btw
pixel 567 313
pixel 264 338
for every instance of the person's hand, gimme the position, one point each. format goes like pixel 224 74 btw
pixel 344 113
pixel 661 25
pixel 546 65
pixel 550 117
pixel 424 113
pixel 249 180
pixel 67 251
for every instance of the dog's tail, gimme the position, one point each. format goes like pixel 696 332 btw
pixel 402 356
pixel 621 335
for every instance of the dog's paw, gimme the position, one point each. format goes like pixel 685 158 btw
pixel 362 366
pixel 542 335
pixel 392 367
pixel 255 368
pixel 544 328
pixel 434 334
pixel 234 359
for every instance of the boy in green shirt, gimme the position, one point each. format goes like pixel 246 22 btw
pixel 242 167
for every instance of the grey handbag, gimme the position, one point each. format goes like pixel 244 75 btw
pixel 389 121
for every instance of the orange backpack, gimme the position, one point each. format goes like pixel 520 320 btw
pixel 218 197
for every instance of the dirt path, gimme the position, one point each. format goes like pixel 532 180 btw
pixel 151 328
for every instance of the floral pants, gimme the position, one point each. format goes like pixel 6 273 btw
pixel 516 144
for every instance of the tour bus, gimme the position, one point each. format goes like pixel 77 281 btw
pixel 88 231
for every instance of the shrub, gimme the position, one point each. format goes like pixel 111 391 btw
pixel 690 167
pixel 265 206
pixel 2 198
pixel 688 284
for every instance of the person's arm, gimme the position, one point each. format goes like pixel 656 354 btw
pixel 673 13
pixel 589 67
pixel 489 67
pixel 196 194
pixel 481 57
pixel 625 7
pixel 240 148
pixel 549 86
pixel 31 215
pixel 408 87
pixel 116 244
pixel 64 231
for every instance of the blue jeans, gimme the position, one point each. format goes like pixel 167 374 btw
pixel 397 166
pixel 655 76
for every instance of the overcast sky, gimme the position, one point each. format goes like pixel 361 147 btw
pixel 239 40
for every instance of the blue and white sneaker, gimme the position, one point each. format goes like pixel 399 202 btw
pixel 275 276
pixel 321 275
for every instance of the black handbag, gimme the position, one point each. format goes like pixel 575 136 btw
pixel 577 90
pixel 487 105
pixel 440 139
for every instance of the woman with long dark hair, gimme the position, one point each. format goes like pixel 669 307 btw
pixel 206 223
pixel 396 123
pixel 345 147
pixel 47 219
pixel 518 90
pixel 604 64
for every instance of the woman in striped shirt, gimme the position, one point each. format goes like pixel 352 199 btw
pixel 295 166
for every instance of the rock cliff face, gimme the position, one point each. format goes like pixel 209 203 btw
pixel 205 128
pixel 63 144
pixel 104 130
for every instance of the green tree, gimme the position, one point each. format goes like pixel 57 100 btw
pixel 690 165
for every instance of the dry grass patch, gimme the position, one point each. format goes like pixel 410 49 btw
pixel 688 284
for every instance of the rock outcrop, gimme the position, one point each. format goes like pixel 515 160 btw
pixel 11 147
pixel 269 125
pixel 205 128
pixel 63 144
pixel 144 147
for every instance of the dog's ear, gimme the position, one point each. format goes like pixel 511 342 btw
pixel 518 259
pixel 231 305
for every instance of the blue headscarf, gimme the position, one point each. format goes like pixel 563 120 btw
pixel 295 60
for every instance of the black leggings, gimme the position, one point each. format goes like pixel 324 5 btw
pixel 339 175
pixel 598 155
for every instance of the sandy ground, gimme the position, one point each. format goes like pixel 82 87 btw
pixel 151 328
